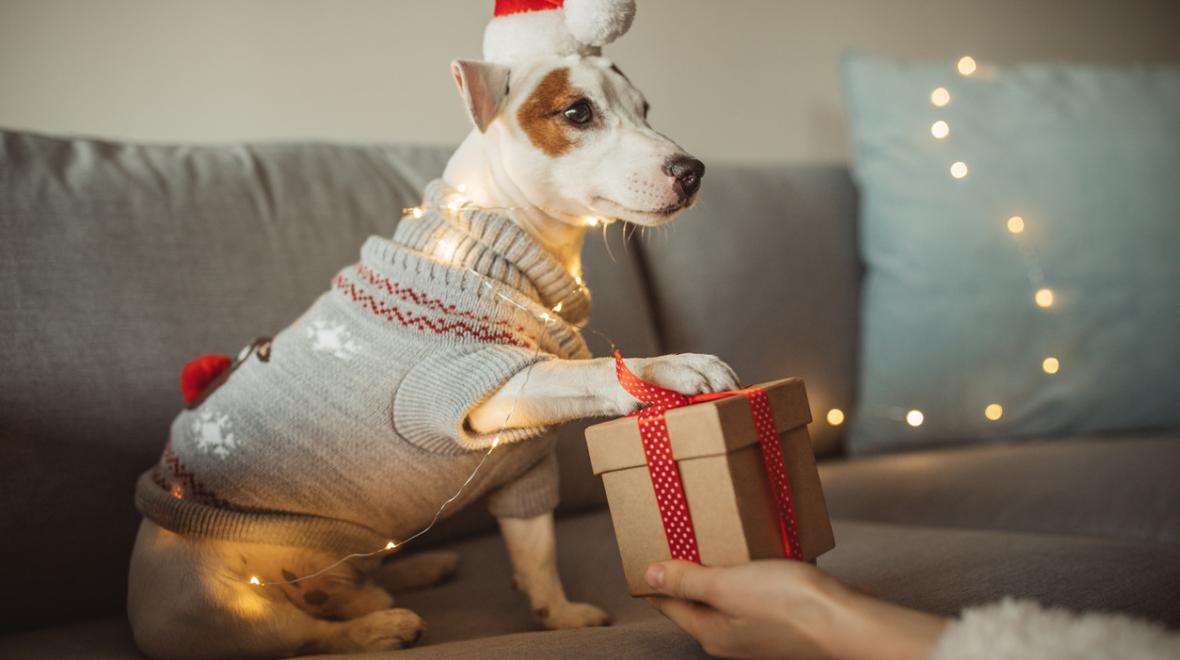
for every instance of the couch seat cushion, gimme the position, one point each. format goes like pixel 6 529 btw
pixel 940 570
pixel 97 639
pixel 1122 487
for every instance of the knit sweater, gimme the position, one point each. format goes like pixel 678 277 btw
pixel 348 428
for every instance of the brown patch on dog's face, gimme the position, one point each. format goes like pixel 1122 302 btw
pixel 540 115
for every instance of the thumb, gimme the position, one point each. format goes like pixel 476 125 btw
pixel 682 579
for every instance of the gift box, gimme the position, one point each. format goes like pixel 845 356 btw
pixel 721 479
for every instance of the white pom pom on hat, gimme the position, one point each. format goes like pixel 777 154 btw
pixel 598 22
pixel 521 29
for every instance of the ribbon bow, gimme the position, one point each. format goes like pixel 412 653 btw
pixel 665 474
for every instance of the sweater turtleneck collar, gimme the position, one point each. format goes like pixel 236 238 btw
pixel 453 231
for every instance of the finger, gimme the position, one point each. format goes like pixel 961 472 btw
pixel 682 579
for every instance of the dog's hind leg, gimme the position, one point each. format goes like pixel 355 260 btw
pixel 417 571
pixel 368 622
pixel 220 619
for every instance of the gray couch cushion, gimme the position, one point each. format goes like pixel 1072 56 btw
pixel 939 570
pixel 944 570
pixel 477 614
pixel 764 273
pixel 118 264
pixel 1122 487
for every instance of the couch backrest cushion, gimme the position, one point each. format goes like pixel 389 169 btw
pixel 117 265
pixel 763 272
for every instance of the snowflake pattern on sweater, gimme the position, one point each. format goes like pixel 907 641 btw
pixel 349 427
pixel 213 433
pixel 333 338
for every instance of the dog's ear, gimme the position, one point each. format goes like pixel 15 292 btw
pixel 483 86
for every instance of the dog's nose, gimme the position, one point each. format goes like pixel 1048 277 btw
pixel 688 172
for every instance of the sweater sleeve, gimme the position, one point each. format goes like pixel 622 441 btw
pixel 433 401
pixel 1018 629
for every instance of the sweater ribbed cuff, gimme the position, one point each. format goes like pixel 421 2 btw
pixel 433 401
pixel 191 518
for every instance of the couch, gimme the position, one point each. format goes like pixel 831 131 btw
pixel 119 262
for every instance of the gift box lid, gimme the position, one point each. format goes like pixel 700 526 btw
pixel 703 429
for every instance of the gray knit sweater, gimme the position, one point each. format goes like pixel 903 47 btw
pixel 347 429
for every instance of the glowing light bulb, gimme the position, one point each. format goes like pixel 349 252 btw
pixel 967 65
pixel 578 279
pixel 993 411
pixel 254 580
pixel 1044 297
pixel 940 97
pixel 390 546
pixel 959 169
pixel 940 129
pixel 1051 365
pixel 1016 224
pixel 416 212
pixel 446 249
pixel 835 417
pixel 453 205
pixel 915 418
pixel 591 221
pixel 558 306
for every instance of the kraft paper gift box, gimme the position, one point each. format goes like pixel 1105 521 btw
pixel 731 501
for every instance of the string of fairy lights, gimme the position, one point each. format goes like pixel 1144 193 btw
pixel 1043 296
pixel 445 249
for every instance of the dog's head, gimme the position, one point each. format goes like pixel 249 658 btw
pixel 571 133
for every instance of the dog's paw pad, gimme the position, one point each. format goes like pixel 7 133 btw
pixel 572 615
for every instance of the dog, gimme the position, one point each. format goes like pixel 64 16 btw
pixel 557 140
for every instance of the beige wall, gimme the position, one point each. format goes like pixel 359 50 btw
pixel 752 80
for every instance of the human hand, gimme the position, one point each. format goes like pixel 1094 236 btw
pixel 779 609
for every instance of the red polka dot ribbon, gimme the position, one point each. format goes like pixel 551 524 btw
pixel 665 474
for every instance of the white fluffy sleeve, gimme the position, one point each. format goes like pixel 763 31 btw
pixel 1019 629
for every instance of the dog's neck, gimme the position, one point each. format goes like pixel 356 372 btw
pixel 477 170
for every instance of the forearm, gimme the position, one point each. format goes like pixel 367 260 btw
pixel 865 627
pixel 557 391
pixel 552 392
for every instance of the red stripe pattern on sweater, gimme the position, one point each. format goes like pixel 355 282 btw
pixel 418 298
pixel 182 483
pixel 468 326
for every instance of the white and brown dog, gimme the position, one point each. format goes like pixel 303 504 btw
pixel 557 138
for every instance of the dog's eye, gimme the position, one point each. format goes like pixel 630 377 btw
pixel 578 113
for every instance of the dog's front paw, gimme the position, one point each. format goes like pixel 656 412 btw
pixel 687 373
pixel 384 630
pixel 571 615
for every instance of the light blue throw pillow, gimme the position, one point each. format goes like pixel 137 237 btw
pixel 1070 183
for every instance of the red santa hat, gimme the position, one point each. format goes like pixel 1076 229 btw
pixel 522 29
